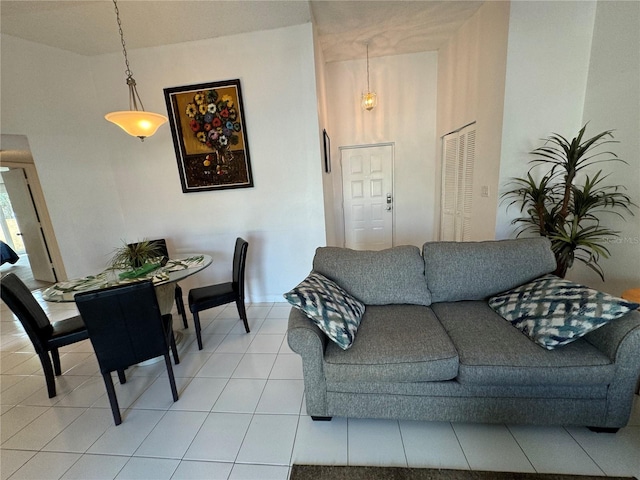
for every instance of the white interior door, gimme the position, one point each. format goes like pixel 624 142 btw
pixel 29 224
pixel 367 188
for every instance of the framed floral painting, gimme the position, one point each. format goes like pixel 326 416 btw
pixel 209 135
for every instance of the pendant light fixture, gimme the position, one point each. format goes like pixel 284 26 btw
pixel 369 98
pixel 135 121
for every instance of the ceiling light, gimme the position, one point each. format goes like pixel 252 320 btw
pixel 369 98
pixel 135 121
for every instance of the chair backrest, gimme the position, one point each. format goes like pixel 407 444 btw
pixel 239 262
pixel 22 303
pixel 124 324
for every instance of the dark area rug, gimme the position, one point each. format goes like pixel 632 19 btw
pixel 322 472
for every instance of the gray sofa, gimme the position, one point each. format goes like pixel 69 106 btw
pixel 430 348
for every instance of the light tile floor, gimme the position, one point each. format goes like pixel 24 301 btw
pixel 241 415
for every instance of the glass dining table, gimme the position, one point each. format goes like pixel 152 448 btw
pixel 163 277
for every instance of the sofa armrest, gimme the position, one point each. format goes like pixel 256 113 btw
pixel 303 334
pixel 620 340
pixel 307 340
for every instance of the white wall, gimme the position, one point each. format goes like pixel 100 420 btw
pixel 329 197
pixel 570 63
pixel 136 185
pixel 548 54
pixel 406 116
pixel 613 102
pixel 471 78
pixel 48 96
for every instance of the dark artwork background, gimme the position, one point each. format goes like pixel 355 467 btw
pixel 228 173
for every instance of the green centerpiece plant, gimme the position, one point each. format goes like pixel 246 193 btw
pixel 134 255
pixel 563 198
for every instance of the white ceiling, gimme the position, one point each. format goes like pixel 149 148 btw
pixel 389 27
pixel 344 26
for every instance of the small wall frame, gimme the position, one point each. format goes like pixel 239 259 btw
pixel 327 151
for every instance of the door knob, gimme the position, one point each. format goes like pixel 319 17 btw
pixel 389 200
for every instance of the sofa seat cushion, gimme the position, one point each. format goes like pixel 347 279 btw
pixel 395 343
pixel 493 352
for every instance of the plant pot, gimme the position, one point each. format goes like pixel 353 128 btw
pixel 561 268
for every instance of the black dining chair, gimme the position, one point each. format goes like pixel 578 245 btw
pixel 203 298
pixel 161 246
pixel 126 327
pixel 45 336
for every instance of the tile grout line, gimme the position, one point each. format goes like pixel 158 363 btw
pixel 296 433
pixel 192 377
pixel 464 454
pixel 132 455
pixel 404 450
pixel 253 414
pixel 46 409
pixel 521 449
pixel 585 451
pixel 293 444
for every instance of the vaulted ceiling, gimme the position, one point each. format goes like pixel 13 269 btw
pixel 390 27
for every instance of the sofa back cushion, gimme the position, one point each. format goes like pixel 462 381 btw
pixel 392 276
pixel 477 270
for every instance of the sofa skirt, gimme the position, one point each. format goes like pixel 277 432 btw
pixel 513 410
pixel 456 389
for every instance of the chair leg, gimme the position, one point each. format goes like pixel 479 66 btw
pixel 55 356
pixel 45 360
pixel 174 349
pixel 172 380
pixel 180 306
pixel 243 313
pixel 169 337
pixel 113 400
pixel 196 323
pixel 122 377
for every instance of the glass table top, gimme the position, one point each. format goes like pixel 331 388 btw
pixel 175 269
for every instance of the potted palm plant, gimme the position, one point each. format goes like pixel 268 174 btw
pixel 565 203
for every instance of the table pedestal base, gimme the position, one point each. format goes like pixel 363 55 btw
pixel 166 296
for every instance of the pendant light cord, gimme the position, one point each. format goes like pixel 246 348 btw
pixel 134 98
pixel 368 89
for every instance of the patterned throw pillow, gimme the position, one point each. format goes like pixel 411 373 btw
pixel 554 312
pixel 336 313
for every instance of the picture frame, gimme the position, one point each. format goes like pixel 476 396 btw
pixel 209 135
pixel 327 151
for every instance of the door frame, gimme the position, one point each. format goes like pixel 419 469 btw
pixel 43 213
pixel 393 186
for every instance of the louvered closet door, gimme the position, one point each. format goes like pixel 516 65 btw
pixel 449 187
pixel 467 153
pixel 458 158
